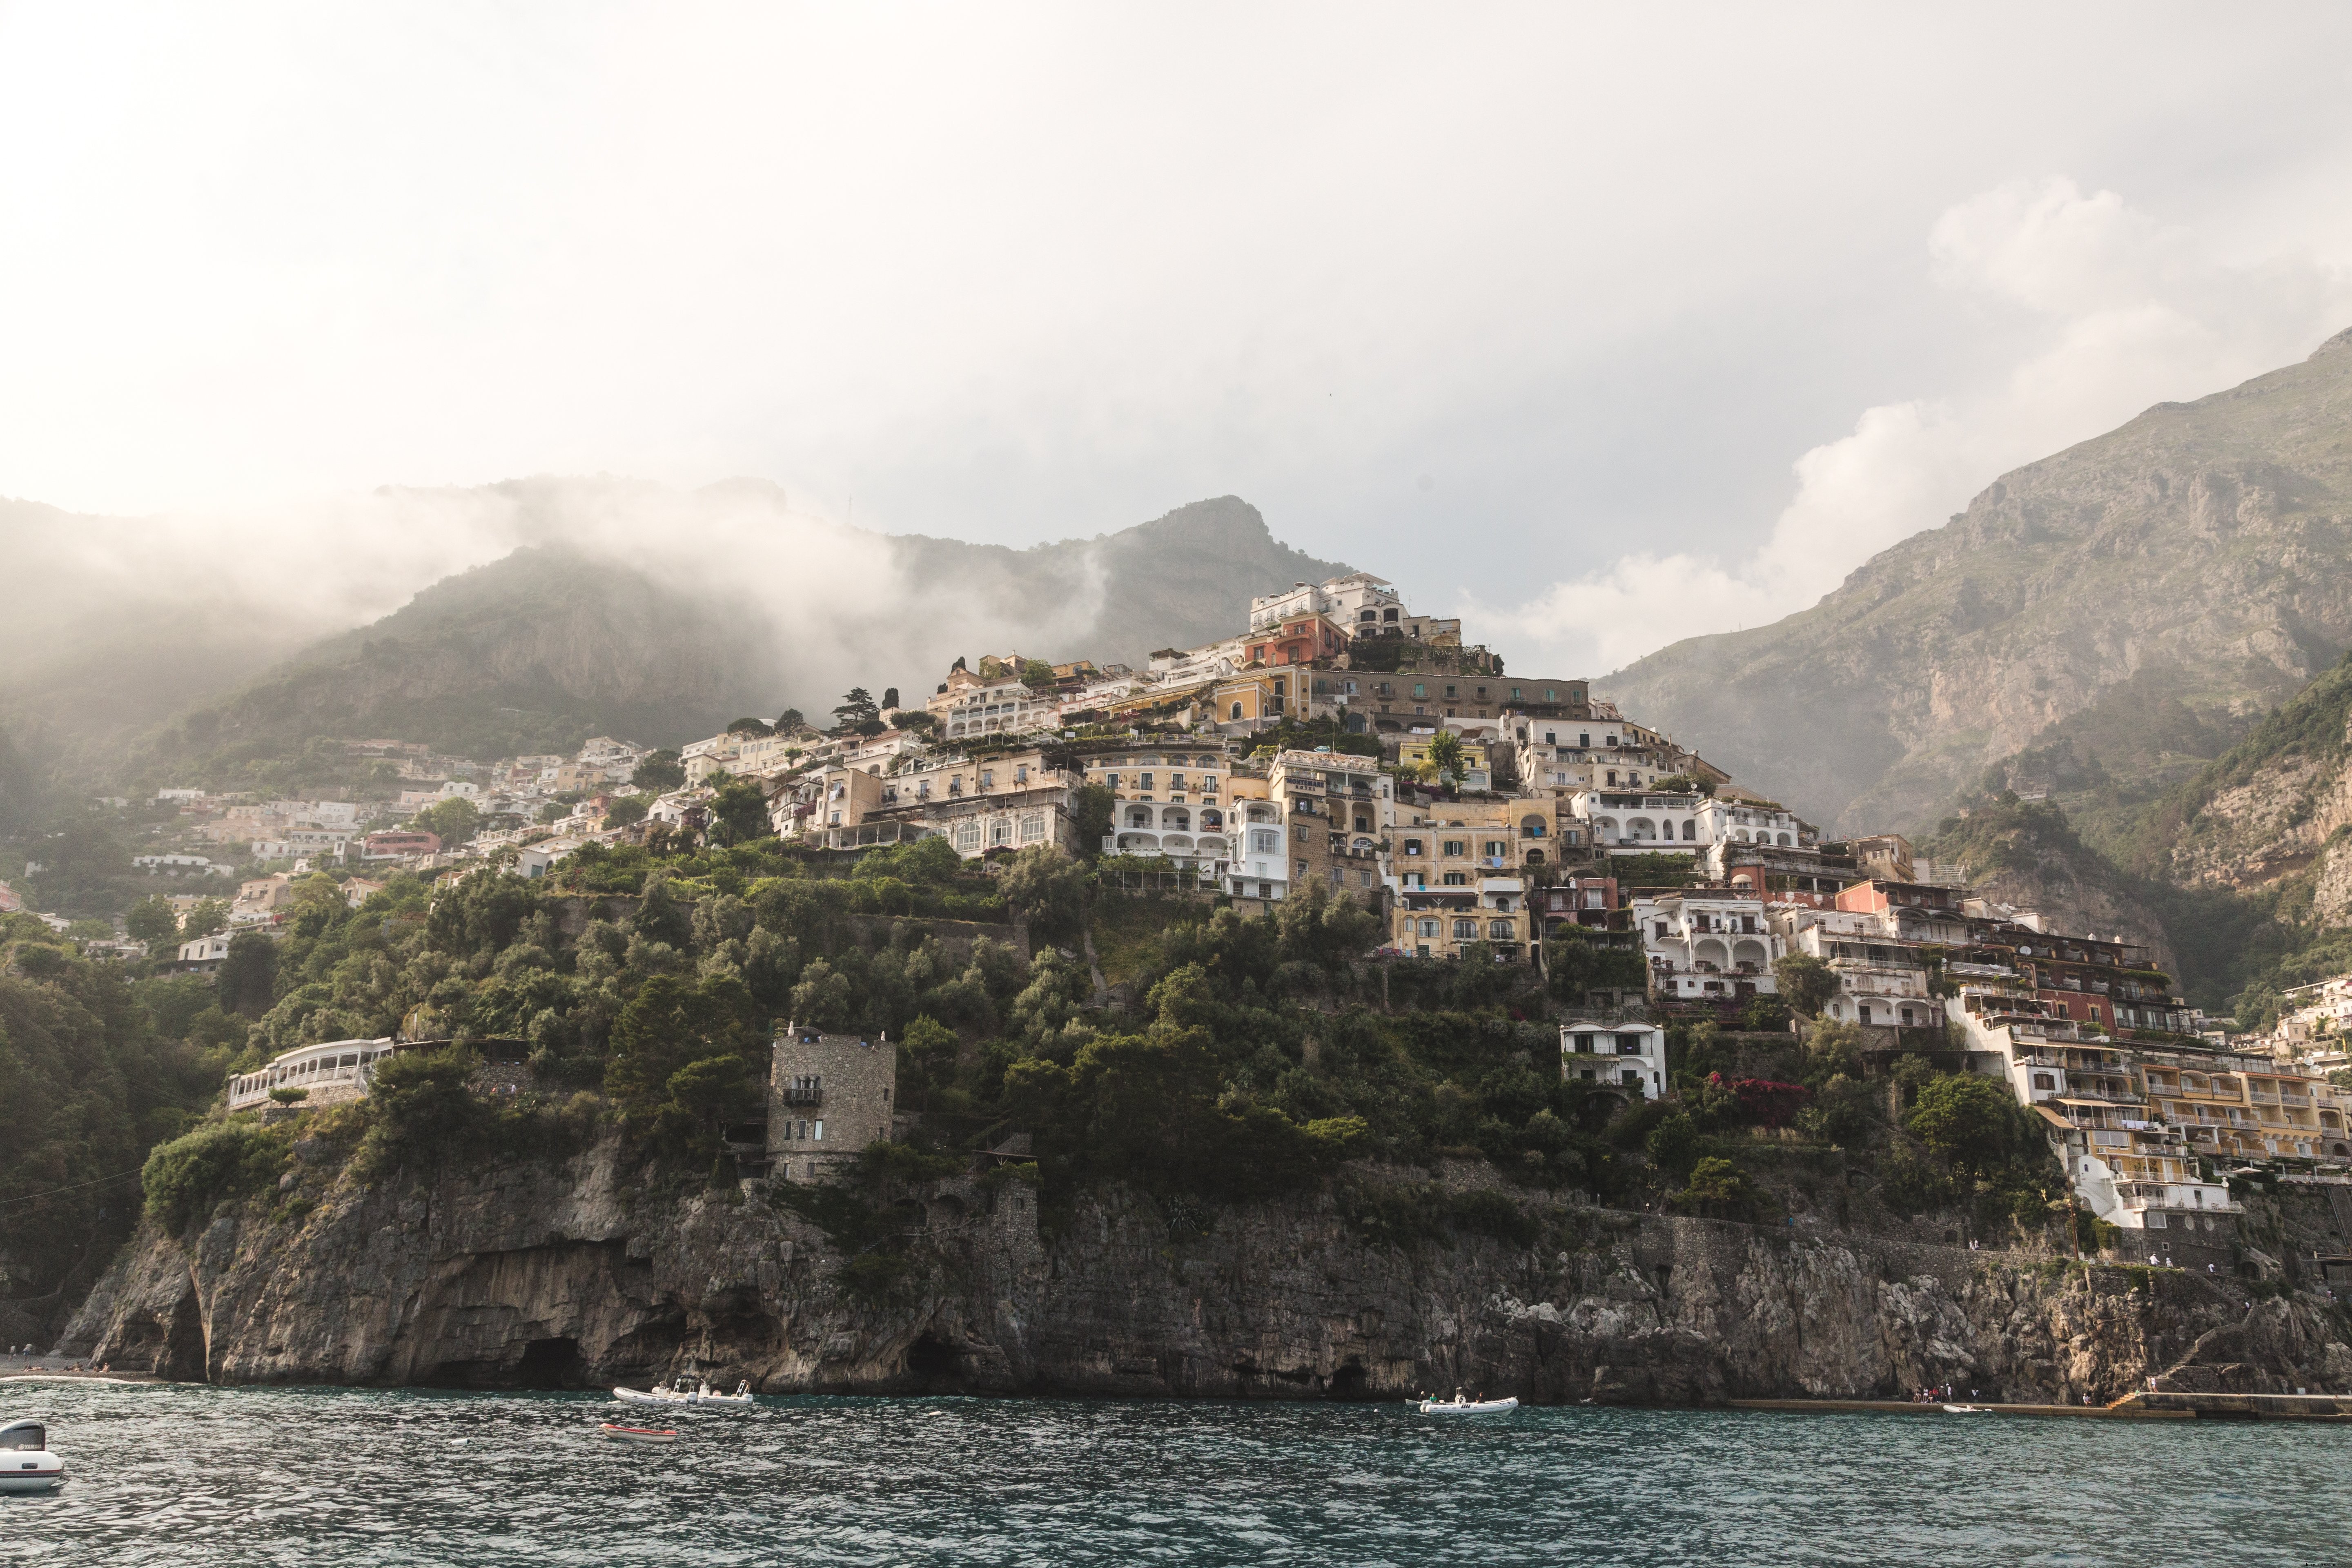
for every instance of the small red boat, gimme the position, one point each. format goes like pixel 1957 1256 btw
pixel 638 1434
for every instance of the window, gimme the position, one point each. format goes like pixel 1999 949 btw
pixel 1456 846
pixel 988 779
pixel 1000 831
pixel 1420 690
pixel 1429 928
pixel 1497 849
pixel 1690 830
pixel 1299 832
pixel 1302 867
pixel 1033 826
pixel 1466 930
pixel 1412 846
pixel 816 1131
pixel 1265 841
pixel 1456 880
pixel 1265 890
pixel 967 833
pixel 1143 783
pixel 1500 929
pixel 1111 780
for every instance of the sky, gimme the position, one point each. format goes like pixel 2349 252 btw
pixel 1604 326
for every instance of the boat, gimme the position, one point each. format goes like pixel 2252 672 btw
pixel 25 1463
pixel 742 1399
pixel 638 1434
pixel 1468 1406
pixel 1965 1410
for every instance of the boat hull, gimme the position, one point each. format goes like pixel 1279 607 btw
pixel 1477 1407
pixel 32 1473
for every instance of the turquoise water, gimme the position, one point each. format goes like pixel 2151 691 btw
pixel 312 1476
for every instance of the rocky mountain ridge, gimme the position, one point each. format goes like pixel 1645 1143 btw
pixel 2199 555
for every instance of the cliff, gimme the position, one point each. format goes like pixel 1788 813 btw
pixel 2157 586
pixel 568 1273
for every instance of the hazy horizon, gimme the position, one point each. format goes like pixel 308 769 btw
pixel 1690 314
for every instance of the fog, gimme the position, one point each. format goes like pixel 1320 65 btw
pixel 1602 328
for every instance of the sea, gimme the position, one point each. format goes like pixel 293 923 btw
pixel 180 1474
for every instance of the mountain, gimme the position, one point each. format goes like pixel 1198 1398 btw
pixel 2140 599
pixel 718 604
pixel 533 652
pixel 1178 581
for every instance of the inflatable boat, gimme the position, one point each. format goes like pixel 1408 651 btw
pixel 25 1463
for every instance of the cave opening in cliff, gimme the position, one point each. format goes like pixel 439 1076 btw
pixel 551 1363
pixel 1351 1382
pixel 932 1359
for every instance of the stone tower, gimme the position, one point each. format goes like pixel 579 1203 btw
pixel 828 1096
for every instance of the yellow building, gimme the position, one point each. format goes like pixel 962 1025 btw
pixel 1412 751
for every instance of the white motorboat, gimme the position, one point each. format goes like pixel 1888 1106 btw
pixel 1965 1410
pixel 740 1399
pixel 25 1463
pixel 1459 1407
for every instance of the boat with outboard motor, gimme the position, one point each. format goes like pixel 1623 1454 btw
pixel 1457 1405
pixel 638 1434
pixel 742 1399
pixel 25 1463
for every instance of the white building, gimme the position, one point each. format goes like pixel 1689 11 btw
pixel 1626 1057
pixel 1623 822
pixel 327 1073
pixel 205 953
pixel 1707 946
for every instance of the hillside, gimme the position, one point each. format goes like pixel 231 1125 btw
pixel 2141 596
pixel 703 606
pixel 534 652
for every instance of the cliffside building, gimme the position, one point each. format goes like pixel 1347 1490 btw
pixel 829 1096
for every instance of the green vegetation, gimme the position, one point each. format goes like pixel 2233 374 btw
pixel 96 1068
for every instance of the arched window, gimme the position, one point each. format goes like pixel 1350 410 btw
pixel 1784 839
pixel 1237 711
pixel 1466 930
pixel 1690 829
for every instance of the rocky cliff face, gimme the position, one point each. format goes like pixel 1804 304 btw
pixel 556 1274
pixel 2198 555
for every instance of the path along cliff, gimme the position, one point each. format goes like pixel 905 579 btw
pixel 557 1273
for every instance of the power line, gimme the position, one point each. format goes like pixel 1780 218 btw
pixel 70 1187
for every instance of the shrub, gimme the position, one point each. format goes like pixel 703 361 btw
pixel 1672 1144
pixel 1716 1186
pixel 185 1178
pixel 1970 1120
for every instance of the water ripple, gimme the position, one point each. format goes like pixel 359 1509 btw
pixel 316 1477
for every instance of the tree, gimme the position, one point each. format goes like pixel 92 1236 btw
pixel 249 974
pixel 629 808
pixel 660 771
pixel 889 698
pixel 739 812
pixel 205 916
pixel 1445 752
pixel 1672 1144
pixel 453 821
pixel 554 812
pixel 1806 983
pixel 1969 1118
pixel 1091 806
pixel 150 920
pixel 789 720
pixel 1047 889
pixel 748 727
pixel 855 708
pixel 1716 1186
pixel 1036 673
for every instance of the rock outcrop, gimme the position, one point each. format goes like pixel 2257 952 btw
pixel 572 1275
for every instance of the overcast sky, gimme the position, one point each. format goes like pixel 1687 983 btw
pixel 1607 328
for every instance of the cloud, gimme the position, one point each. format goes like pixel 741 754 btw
pixel 2122 312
